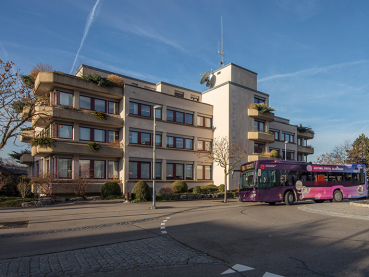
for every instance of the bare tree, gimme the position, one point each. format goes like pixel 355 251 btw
pixel 23 187
pixel 226 153
pixel 338 156
pixel 4 180
pixel 44 183
pixel 81 181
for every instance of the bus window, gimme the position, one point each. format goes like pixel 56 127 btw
pixel 306 176
pixel 335 176
pixel 268 179
pixel 293 177
pixel 320 176
pixel 355 179
pixel 247 180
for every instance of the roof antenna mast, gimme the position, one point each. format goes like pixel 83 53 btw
pixel 221 53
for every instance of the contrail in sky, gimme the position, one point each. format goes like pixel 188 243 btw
pixel 87 27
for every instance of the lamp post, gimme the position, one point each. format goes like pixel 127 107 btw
pixel 154 157
pixel 285 150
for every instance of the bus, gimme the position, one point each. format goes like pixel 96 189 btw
pixel 272 181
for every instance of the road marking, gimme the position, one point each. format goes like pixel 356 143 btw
pixel 163 224
pixel 228 271
pixel 163 232
pixel 162 228
pixel 268 274
pixel 238 268
pixel 168 217
pixel 165 220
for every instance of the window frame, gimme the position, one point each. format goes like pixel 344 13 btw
pixel 175 171
pixel 184 117
pixel 117 103
pixel 259 148
pixel 204 121
pixel 139 175
pixel 259 100
pixel 203 145
pixel 139 108
pixel 57 130
pixel 175 142
pixel 203 172
pixel 57 100
pixel 259 122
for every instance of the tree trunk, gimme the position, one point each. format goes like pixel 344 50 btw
pixel 225 187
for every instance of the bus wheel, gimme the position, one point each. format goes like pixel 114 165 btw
pixel 289 198
pixel 337 196
pixel 318 200
pixel 271 203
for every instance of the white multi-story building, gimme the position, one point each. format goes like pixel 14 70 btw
pixel 186 125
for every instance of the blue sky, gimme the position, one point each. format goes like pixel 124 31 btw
pixel 311 56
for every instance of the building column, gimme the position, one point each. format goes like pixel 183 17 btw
pixel 76 131
pixel 164 169
pixel 76 99
pixel 75 166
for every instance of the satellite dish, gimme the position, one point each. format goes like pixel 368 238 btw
pixel 212 81
pixel 208 82
pixel 205 77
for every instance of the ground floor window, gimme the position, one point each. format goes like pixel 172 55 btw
pixel 175 171
pixel 113 170
pixel 204 172
pixel 142 170
pixel 64 167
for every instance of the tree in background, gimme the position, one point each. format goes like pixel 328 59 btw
pixel 337 156
pixel 359 154
pixel 226 153
pixel 15 95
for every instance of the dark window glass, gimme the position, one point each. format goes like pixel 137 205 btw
pixel 133 108
pixel 189 119
pixel 179 142
pixel 189 143
pixel 179 171
pixel 170 115
pixel 133 170
pixel 100 105
pixel 145 138
pixel 189 172
pixel 113 107
pixel 158 140
pixel 145 110
pixel 99 135
pixel 179 117
pixel 170 171
pixel 158 170
pixel 84 133
pixel 158 113
pixel 85 102
pixel 133 137
pixel 145 170
pixel 65 99
pixel 170 142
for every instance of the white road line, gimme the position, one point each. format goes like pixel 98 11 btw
pixel 163 232
pixel 168 217
pixel 241 268
pixel 165 220
pixel 163 224
pixel 268 274
pixel 228 271
pixel 162 228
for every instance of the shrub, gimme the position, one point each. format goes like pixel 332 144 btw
pixel 141 190
pixel 304 129
pixel 110 188
pixel 116 79
pixel 209 188
pixel 274 153
pixel 196 189
pixel 115 144
pixel 167 191
pixel 180 186
pixel 94 146
pixel 100 115
pixel 221 188
pixel 28 80
pixel 43 142
pixel 23 187
pixel 262 108
pixel 98 80
pixel 38 68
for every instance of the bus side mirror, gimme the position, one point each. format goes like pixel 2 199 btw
pixel 362 176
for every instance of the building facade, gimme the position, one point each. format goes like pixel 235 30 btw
pixel 81 114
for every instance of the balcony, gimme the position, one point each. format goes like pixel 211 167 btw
pixel 47 114
pixel 76 147
pixel 305 150
pixel 260 136
pixel 47 81
pixel 262 116
pixel 26 159
pixel 305 135
pixel 260 156
pixel 27 136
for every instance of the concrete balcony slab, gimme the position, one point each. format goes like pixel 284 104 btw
pixel 306 135
pixel 262 116
pixel 305 150
pixel 260 136
pixel 27 136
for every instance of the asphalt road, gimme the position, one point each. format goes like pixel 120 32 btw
pixel 199 238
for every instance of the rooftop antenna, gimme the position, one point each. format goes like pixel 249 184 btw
pixel 221 53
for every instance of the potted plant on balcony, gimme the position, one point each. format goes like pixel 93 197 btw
pixel 100 115
pixel 43 142
pixel 262 108
pixel 93 146
pixel 304 129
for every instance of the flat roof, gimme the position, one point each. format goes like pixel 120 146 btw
pixel 164 83
pixel 235 66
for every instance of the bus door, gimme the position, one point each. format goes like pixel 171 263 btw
pixel 268 185
pixel 247 191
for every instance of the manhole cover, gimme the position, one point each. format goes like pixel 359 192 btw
pixel 15 224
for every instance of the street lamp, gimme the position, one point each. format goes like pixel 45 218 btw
pixel 285 150
pixel 154 158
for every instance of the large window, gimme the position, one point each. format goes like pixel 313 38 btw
pixel 288 137
pixel 64 167
pixel 203 145
pixel 175 171
pixel 178 142
pixel 113 170
pixel 100 105
pixel 94 104
pixel 290 155
pixel 99 135
pixel 113 107
pixel 180 117
pixel 203 121
pixel 203 172
pixel 113 136
pixel 136 137
pixel 276 134
pixel 84 133
pixel 142 110
pixel 85 102
pixel 259 100
pixel 259 147
pixel 99 169
pixel 299 141
pixel 259 125
pixel 189 172
pixel 64 131
pixel 139 170
pixel 85 168
pixel 64 98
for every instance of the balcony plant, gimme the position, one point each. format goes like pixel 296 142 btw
pixel 43 142
pixel 116 79
pixel 304 129
pixel 115 144
pixel 94 146
pixel 100 115
pixel 262 108
pixel 98 80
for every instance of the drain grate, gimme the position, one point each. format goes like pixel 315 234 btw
pixel 15 224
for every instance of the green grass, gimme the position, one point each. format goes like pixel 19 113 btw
pixel 13 202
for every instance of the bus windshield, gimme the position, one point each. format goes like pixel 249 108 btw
pixel 247 180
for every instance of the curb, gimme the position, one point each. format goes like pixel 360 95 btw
pixel 359 205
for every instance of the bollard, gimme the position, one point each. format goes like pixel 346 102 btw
pixel 126 196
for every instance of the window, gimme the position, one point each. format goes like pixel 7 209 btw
pixel 175 171
pixel 157 140
pixel 140 109
pixel 133 137
pixel 179 117
pixel 259 100
pixel 113 136
pixel 179 94
pixel 259 125
pixel 195 98
pixel 158 171
pixel 300 157
pixel 203 145
pixel 203 172
pixel 276 134
pixel 189 172
pixel 143 138
pixel 259 147
pixel 113 107
pixel 99 135
pixel 299 141
pixel 113 170
pixel 100 105
pixel 84 133
pixel 64 167
pixel 65 131
pixel 158 113
pixel 134 84
pixel 290 155
pixel 85 102
pixel 99 169
pixel 288 137
pixel 140 170
pixel 84 168
pixel 203 121
pixel 178 142
pixel 64 98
